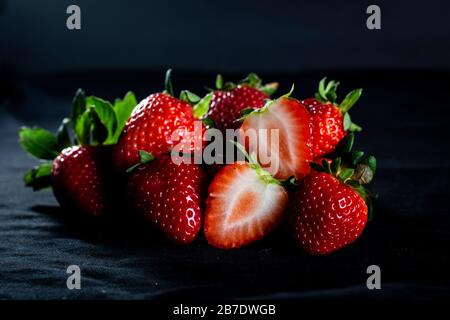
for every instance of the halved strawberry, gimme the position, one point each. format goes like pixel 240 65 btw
pixel 288 153
pixel 244 204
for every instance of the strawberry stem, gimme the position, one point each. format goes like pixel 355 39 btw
pixel 168 83
pixel 253 161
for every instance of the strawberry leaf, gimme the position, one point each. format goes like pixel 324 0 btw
pixel 327 91
pixel 252 80
pixel 168 83
pixel 145 157
pixel 219 82
pixel 345 174
pixel 371 161
pixel 39 177
pixel 208 123
pixel 347 121
pixel 62 134
pixel 189 97
pixel 326 166
pixel 83 128
pixel 349 100
pixel 269 88
pixel 245 112
pixel 123 109
pixel 345 145
pixel 98 131
pixel 39 142
pixel 107 118
pixel 202 107
pixel 355 157
pixel 287 95
pixel 78 105
pixel 336 165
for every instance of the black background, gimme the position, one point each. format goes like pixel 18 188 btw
pixel 403 68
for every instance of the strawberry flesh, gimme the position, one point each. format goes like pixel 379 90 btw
pixel 241 207
pixel 290 154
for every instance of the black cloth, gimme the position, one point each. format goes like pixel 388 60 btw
pixel 405 119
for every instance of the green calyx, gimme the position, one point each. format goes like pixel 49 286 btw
pixel 168 83
pixel 144 158
pixel 253 162
pixel 351 167
pixel 251 80
pixel 200 106
pixel 94 121
pixel 327 94
pixel 247 112
pixel 99 122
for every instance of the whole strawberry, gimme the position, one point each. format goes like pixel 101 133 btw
pixel 83 179
pixel 81 175
pixel 169 195
pixel 329 210
pixel 158 124
pixel 230 100
pixel 330 121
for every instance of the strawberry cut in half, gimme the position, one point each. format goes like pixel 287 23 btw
pixel 280 136
pixel 244 204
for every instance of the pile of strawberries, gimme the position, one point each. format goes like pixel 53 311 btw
pixel 119 156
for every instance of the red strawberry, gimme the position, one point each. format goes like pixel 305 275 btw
pixel 151 128
pixel 329 211
pixel 244 204
pixel 81 176
pixel 291 153
pixel 170 196
pixel 83 180
pixel 228 103
pixel 331 122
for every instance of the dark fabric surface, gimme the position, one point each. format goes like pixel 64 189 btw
pixel 405 119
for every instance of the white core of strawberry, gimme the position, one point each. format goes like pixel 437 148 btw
pixel 249 201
